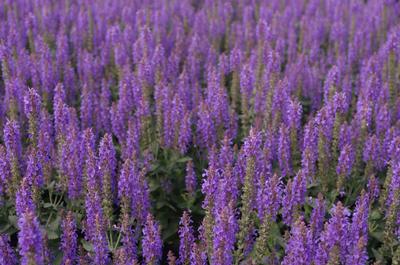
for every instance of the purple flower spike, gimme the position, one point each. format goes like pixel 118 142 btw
pixel 190 179
pixel 152 244
pixel 186 239
pixel 30 239
pixel 7 254
pixel 69 240
pixel 224 236
pixel 298 248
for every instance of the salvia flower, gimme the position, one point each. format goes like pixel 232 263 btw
pixel 69 240
pixel 359 232
pixel 107 172
pixel 32 106
pixel 30 239
pixel 186 238
pixel 95 227
pixel 333 242
pixel 298 247
pixel 190 178
pixel 7 255
pixel 224 236
pixel 284 152
pixel 152 244
pixel 12 140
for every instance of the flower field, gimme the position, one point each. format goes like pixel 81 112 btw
pixel 196 132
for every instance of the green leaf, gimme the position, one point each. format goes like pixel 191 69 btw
pixel 375 215
pixel 13 220
pixel 51 235
pixel 86 245
pixel 184 159
pixel 55 224
pixel 47 205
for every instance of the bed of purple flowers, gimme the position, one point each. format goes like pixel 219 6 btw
pixel 197 132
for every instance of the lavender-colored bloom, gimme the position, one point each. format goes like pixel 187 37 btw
pixel 269 198
pixel 284 153
pixel 346 160
pixel 72 156
pixel 91 171
pixel 95 227
pixel 185 133
pixel 394 184
pixel 104 107
pixel 32 106
pixel 373 188
pixel 24 200
pixel 140 196
pixel 131 147
pixel 298 247
pixel 124 186
pixel 197 256
pixel 4 171
pixel 7 254
pixel 310 144
pixel 333 242
pixel 317 217
pixel 45 145
pixel 294 196
pixel 30 239
pixel 206 130
pixel 12 140
pixel 34 172
pixel 382 120
pixel 128 252
pixel 69 240
pixel 186 238
pixel 294 112
pixel 372 152
pixel 224 236
pixel 359 232
pixel 190 179
pixel 107 164
pixel 152 244
pixel 60 120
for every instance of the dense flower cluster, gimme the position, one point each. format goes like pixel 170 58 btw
pixel 200 132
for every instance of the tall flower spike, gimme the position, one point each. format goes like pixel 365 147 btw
pixel 190 179
pixel 334 239
pixel 251 150
pixel 152 244
pixel 298 247
pixel 7 255
pixel 32 106
pixel 92 181
pixel 46 145
pixel 294 197
pixel 141 195
pixel 359 232
pixel 30 239
pixel 224 236
pixel 24 200
pixel 345 164
pixel 69 240
pixel 269 198
pixel 107 166
pixel 95 228
pixel 284 152
pixel 186 239
pixel 197 256
pixel 12 140
pixel 5 173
